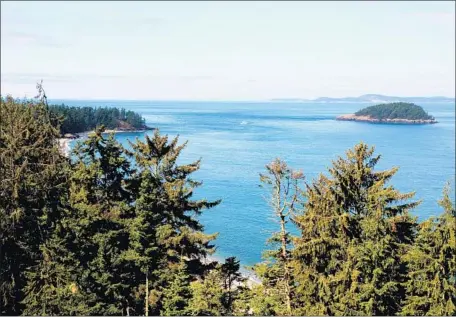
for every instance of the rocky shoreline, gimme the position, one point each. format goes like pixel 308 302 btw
pixel 353 117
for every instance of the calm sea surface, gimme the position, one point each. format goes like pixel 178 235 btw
pixel 237 139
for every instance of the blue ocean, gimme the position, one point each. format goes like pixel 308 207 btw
pixel 237 139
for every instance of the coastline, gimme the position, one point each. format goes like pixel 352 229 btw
pixel 353 117
pixel 64 142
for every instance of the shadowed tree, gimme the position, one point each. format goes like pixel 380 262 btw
pixel 232 280
pixel 217 291
pixel 101 197
pixel 32 179
pixel 53 286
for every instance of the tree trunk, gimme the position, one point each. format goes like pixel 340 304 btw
pixel 147 295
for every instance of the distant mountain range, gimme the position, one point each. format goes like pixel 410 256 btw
pixel 372 98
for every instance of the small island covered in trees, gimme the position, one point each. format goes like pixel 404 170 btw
pixel 81 119
pixel 396 112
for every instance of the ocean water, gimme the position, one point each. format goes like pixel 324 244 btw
pixel 237 139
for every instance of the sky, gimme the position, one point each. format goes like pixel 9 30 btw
pixel 217 50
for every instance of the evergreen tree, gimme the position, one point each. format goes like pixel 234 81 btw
pixel 53 286
pixel 165 192
pixel 32 178
pixel 177 294
pixel 431 287
pixel 320 254
pixel 383 231
pixel 353 234
pixel 102 199
pixel 232 280
pixel 207 296
pixel 166 228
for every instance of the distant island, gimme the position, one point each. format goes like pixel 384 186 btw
pixel 396 112
pixel 369 98
pixel 81 119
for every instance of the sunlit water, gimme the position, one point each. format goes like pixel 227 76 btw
pixel 236 140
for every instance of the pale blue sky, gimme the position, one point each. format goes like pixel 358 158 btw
pixel 227 50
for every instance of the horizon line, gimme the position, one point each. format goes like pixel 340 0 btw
pixel 225 100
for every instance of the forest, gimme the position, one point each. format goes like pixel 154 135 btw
pixel 115 231
pixel 395 110
pixel 81 119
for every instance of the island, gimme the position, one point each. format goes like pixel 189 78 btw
pixel 396 112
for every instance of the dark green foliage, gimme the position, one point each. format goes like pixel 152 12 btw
pixel 79 119
pixel 165 192
pixel 53 286
pixel 31 182
pixel 101 197
pixel 395 110
pixel 231 279
pixel 165 230
pixel 123 230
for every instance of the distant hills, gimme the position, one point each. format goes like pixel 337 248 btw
pixel 372 98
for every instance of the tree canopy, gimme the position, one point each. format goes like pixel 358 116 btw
pixel 395 110
pixel 80 119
